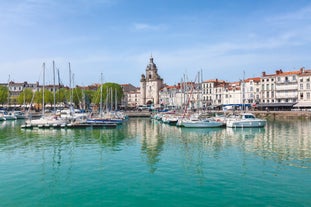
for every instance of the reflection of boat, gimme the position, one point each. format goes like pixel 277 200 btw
pixel 245 120
pixel 246 133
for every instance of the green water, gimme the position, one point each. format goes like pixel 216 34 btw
pixel 146 163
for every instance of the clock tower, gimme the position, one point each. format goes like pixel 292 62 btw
pixel 150 84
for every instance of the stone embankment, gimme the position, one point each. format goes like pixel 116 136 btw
pixel 138 113
pixel 270 115
pixel 283 115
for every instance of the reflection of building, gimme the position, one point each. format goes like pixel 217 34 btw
pixel 150 84
pixel 150 137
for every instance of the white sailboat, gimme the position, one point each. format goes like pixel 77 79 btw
pixel 45 121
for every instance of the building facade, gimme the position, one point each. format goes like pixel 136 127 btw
pixel 150 85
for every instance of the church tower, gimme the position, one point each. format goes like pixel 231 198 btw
pixel 150 84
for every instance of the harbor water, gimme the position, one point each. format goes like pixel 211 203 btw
pixel 147 163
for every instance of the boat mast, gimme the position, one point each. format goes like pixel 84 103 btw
pixel 111 99
pixel 54 86
pixel 43 89
pixel 101 95
pixel 116 99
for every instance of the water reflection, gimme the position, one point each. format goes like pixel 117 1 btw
pixel 285 142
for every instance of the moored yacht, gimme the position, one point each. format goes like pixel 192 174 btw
pixel 7 115
pixel 245 120
pixel 196 122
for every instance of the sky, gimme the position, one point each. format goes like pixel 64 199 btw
pixel 228 40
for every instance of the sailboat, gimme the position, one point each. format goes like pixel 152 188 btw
pixel 45 121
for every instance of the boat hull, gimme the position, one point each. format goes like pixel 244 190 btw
pixel 201 124
pixel 246 123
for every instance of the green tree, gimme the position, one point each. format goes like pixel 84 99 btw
pixel 4 94
pixel 110 92
pixel 25 96
pixel 62 95
pixel 48 97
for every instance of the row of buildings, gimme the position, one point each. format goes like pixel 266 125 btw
pixel 283 90
pixel 279 91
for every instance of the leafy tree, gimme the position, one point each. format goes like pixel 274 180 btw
pixel 77 96
pixel 109 93
pixel 48 97
pixel 25 96
pixel 4 94
pixel 62 95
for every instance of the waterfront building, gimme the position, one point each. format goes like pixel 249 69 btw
pixel 252 90
pixel 150 85
pixel 170 96
pixel 211 93
pixel 231 94
pixel 304 90
pixel 279 90
pixel 16 88
pixel 131 96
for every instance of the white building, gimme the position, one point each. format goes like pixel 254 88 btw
pixel 304 90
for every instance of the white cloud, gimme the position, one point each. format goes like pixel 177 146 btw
pixel 146 27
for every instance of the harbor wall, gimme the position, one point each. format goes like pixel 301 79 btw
pixel 283 115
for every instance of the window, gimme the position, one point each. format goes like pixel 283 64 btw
pixel 301 86
pixel 301 96
pixel 308 86
pixel 294 77
pixel 308 95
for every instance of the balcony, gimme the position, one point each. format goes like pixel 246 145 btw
pixel 291 82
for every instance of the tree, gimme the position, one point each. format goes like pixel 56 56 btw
pixel 48 97
pixel 25 97
pixel 62 95
pixel 110 92
pixel 4 94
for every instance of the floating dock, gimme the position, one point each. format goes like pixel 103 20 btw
pixel 71 126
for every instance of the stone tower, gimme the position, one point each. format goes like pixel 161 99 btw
pixel 150 84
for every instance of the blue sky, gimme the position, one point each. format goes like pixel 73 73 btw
pixel 222 38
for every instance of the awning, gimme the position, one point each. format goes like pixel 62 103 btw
pixel 303 104
pixel 275 105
